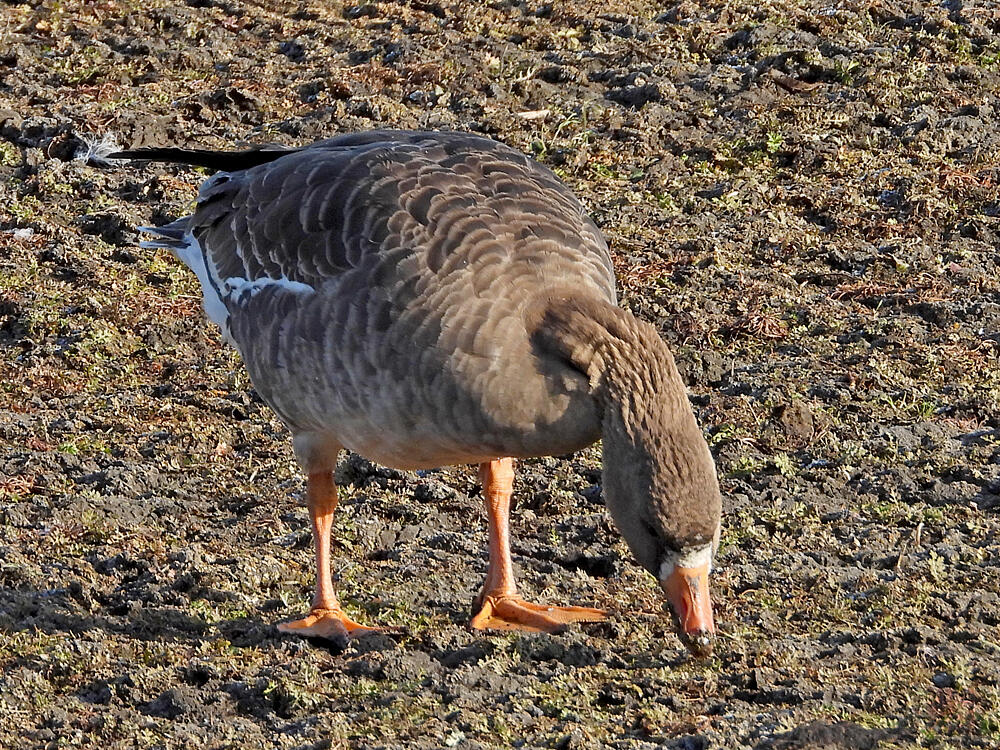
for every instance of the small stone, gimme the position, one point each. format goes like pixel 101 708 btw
pixel 943 680
pixel 387 539
pixel 795 420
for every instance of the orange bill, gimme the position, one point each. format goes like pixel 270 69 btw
pixel 687 591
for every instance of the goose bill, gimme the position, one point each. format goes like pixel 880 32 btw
pixel 687 591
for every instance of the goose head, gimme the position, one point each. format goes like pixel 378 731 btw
pixel 661 489
pixel 660 483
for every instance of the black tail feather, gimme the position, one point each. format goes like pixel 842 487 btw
pixel 223 161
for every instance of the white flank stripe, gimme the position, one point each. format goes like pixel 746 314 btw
pixel 234 291
pixel 235 288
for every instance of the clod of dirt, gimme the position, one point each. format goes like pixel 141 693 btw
pixel 819 735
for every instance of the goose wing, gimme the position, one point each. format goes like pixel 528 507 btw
pixel 306 215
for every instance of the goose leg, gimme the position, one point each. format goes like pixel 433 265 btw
pixel 326 619
pixel 499 607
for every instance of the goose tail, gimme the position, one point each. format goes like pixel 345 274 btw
pixel 173 236
pixel 220 161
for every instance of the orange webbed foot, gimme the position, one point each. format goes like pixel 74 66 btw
pixel 328 624
pixel 513 613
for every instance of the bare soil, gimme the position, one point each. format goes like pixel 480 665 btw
pixel 802 196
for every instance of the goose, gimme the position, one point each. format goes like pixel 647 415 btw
pixel 436 298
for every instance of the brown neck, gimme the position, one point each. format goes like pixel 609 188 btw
pixel 649 426
pixel 631 370
pixel 636 375
pixel 659 477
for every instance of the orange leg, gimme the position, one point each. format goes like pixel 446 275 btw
pixel 326 619
pixel 500 608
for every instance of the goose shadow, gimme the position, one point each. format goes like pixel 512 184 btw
pixel 72 612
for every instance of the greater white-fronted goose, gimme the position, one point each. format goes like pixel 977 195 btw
pixel 426 299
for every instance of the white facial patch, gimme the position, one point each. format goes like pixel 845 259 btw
pixel 691 557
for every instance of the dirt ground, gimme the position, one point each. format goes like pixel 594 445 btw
pixel 802 196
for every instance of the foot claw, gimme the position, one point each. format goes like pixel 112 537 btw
pixel 513 613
